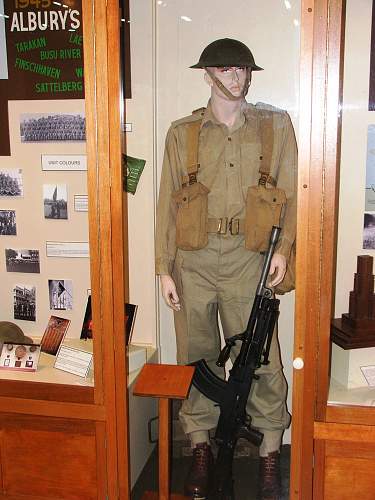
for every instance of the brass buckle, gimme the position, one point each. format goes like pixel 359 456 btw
pixel 222 225
pixel 234 226
pixel 192 178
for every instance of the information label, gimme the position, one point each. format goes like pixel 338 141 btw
pixel 81 203
pixel 73 361
pixel 64 162
pixel 67 249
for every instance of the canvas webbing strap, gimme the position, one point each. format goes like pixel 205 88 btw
pixel 267 138
pixel 192 164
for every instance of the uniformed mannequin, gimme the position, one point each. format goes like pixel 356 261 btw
pixel 209 272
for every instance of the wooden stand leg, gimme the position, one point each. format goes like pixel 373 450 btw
pixel 164 448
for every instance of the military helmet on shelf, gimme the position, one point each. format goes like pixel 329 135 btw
pixel 10 332
pixel 227 52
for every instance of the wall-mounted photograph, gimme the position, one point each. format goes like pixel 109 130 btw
pixel 369 231
pixel 60 294
pixel 55 199
pixel 8 225
pixel 52 127
pixel 22 261
pixel 24 302
pixel 11 182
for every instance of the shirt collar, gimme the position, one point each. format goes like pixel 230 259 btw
pixel 209 117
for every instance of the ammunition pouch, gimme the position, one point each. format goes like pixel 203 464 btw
pixel 263 210
pixel 191 219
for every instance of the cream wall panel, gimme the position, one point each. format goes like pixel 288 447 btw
pixel 355 121
pixel 33 229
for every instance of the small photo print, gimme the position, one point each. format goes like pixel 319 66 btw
pixel 369 231
pixel 8 225
pixel 48 127
pixel 55 201
pixel 54 334
pixel 11 182
pixel 60 294
pixel 22 261
pixel 24 302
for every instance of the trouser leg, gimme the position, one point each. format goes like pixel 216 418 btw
pixel 267 399
pixel 198 337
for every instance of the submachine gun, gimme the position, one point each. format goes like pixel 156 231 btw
pixel 232 395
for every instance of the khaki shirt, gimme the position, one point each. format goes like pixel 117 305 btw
pixel 229 163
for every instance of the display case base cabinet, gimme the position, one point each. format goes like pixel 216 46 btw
pixel 48 458
pixel 348 470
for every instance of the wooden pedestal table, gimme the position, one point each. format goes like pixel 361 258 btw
pixel 165 382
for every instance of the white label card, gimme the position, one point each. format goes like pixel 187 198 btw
pixel 67 249
pixel 64 162
pixel 73 361
pixel 81 203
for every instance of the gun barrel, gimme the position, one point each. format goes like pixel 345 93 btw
pixel 275 233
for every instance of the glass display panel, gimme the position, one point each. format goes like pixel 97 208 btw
pixel 352 332
pixel 44 249
pixel 165 40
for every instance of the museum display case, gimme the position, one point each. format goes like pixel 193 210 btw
pixel 64 234
pixel 64 426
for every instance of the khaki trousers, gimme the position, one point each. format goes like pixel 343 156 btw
pixel 221 279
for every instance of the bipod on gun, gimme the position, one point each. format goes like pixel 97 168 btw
pixel 232 395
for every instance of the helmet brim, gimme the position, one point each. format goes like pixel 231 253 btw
pixel 253 67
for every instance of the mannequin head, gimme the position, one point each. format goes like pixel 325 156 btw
pixel 235 81
pixel 228 64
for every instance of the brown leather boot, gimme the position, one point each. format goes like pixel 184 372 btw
pixel 270 477
pixel 198 480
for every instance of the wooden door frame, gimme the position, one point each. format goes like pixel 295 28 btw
pixel 101 20
pixel 320 95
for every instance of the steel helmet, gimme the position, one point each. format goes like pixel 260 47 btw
pixel 227 52
pixel 10 332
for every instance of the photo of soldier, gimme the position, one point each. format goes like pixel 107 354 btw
pixel 11 182
pixel 24 302
pixel 8 223
pixel 37 127
pixel 22 261
pixel 55 201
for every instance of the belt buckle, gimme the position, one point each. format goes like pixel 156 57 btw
pixel 234 226
pixel 222 225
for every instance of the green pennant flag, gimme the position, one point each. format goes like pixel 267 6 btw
pixel 132 170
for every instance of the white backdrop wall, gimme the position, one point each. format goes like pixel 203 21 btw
pixel 166 38
pixel 355 120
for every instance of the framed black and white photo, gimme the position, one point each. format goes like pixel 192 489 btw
pixel 24 302
pixel 22 261
pixel 60 294
pixel 52 127
pixel 55 199
pixel 11 182
pixel 8 225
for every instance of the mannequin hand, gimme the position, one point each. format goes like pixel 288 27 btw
pixel 277 269
pixel 169 292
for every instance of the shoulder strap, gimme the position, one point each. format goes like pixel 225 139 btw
pixel 192 164
pixel 267 138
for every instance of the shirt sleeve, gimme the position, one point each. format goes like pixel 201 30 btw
pixel 287 180
pixel 165 244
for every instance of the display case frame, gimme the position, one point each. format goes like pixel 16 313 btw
pixel 83 430
pixel 330 442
